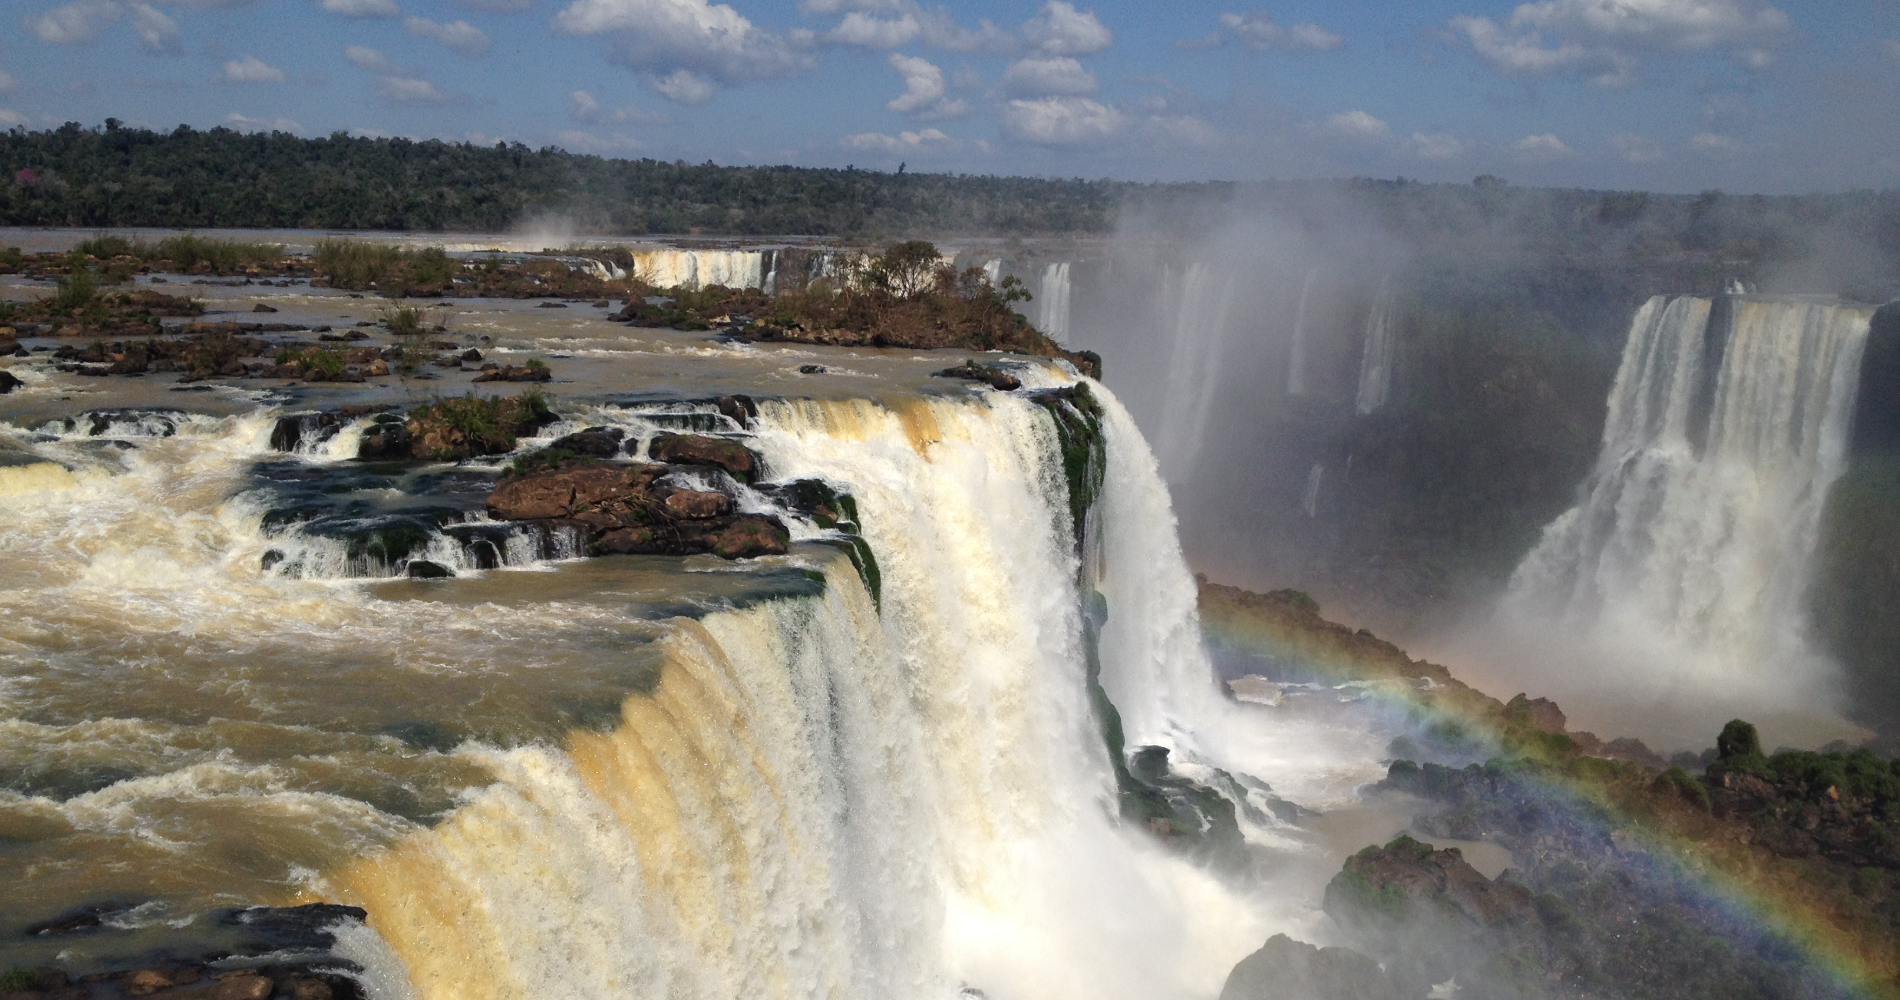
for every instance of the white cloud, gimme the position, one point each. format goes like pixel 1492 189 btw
pixel 1358 126
pixel 245 123
pixel 498 6
pixel 1607 39
pixel 1437 146
pixel 887 24
pixel 684 86
pixel 587 109
pixel 81 21
pixel 1633 148
pixel 1257 31
pixel 903 142
pixel 365 58
pixel 1061 30
pixel 1061 121
pixel 8 116
pixel 577 141
pixel 686 47
pixel 1043 76
pixel 362 8
pixel 923 97
pixel 461 36
pixel 251 69
pixel 1712 144
pixel 408 90
pixel 1541 147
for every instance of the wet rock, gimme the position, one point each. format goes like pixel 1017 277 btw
pixel 567 492
pixel 262 308
pixel 1285 969
pixel 750 537
pixel 308 989
pixel 145 982
pixel 9 382
pixel 422 569
pixel 386 438
pixel 697 504
pixel 471 355
pixel 512 373
pixel 553 305
pixel 741 409
pixel 976 371
pixel 245 985
pixel 698 449
pixel 812 369
pixel 598 442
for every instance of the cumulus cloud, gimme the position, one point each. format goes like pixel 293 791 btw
pixel 498 6
pixel 1256 30
pixel 461 36
pixel 361 8
pixel 903 142
pixel 887 25
pixel 576 141
pixel 1061 30
pixel 244 123
pixel 365 58
pixel 1437 146
pixel 1712 144
pixel 1061 121
pixel 685 47
pixel 1607 39
pixel 1357 125
pixel 588 109
pixel 1639 149
pixel 82 21
pixel 923 98
pixel 1046 76
pixel 251 69
pixel 410 90
pixel 1541 147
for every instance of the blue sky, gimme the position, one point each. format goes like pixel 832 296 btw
pixel 1677 95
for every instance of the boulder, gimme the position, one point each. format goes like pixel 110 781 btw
pixel 976 371
pixel 553 305
pixel 698 449
pixel 599 442
pixel 1285 969
pixel 423 569
pixel 386 438
pixel 741 409
pixel 812 369
pixel 751 536
pixel 697 504
pixel 9 382
pixel 262 308
pixel 511 373
pixel 563 493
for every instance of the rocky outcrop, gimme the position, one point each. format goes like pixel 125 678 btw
pixel 9 382
pixel 1285 969
pixel 697 449
pixel 455 429
pixel 624 509
pixel 976 371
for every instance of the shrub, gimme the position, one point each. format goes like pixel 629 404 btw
pixel 222 256
pixel 391 269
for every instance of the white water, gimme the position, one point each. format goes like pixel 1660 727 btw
pixel 1375 365
pixel 1053 313
pixel 1200 307
pixel 1685 562
pixel 665 268
pixel 1296 359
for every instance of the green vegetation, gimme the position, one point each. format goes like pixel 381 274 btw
pixel 391 269
pixel 78 291
pixel 323 359
pixel 456 428
pixel 187 253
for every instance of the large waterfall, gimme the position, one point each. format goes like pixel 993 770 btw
pixel 1052 315
pixel 1198 305
pixel 1685 554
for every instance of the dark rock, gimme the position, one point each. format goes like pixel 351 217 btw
pixel 619 491
pixel 553 305
pixel 751 536
pixel 1285 969
pixel 697 504
pixel 422 569
pixel 385 439
pixel 697 449
pixel 505 373
pixel 976 371
pixel 84 918
pixel 602 304
pixel 812 369
pixel 262 308
pixel 598 442
pixel 471 355
pixel 741 409
pixel 9 382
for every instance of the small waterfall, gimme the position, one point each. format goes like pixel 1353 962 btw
pixel 1727 424
pixel 1201 304
pixel 1375 365
pixel 1309 502
pixel 770 282
pixel 993 269
pixel 1053 317
pixel 1296 361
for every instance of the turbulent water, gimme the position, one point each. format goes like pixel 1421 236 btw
pixel 1683 560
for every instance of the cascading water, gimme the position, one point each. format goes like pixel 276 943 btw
pixel 1296 357
pixel 1200 305
pixel 1685 556
pixel 1375 365
pixel 1053 314
pixel 665 268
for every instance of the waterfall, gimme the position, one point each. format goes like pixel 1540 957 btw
pixel 1296 362
pixel 1053 317
pixel 842 797
pixel 671 266
pixel 1375 365
pixel 1309 501
pixel 1201 305
pixel 1726 426
pixel 993 269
